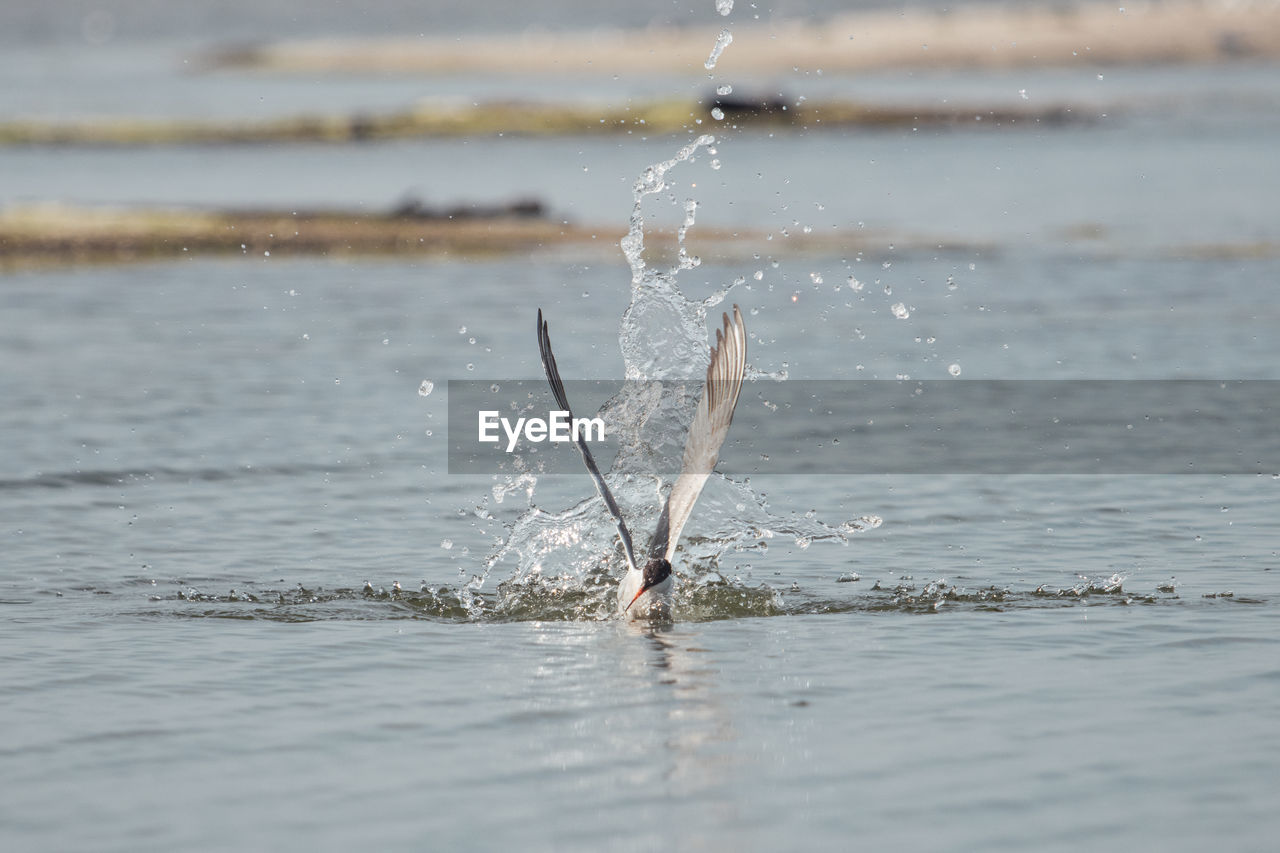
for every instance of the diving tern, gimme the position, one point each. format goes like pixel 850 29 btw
pixel 646 592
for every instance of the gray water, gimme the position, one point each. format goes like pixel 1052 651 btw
pixel 205 471
pixel 244 605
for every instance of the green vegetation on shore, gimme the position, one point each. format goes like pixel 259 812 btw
pixel 511 118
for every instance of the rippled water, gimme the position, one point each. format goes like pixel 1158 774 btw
pixel 219 472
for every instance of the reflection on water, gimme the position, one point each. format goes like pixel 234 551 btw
pixel 696 731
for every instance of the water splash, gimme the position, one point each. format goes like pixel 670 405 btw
pixel 565 564
pixel 663 332
pixel 699 598
pixel 653 180
pixel 722 41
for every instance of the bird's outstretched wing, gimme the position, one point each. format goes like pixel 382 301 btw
pixel 706 433
pixel 557 389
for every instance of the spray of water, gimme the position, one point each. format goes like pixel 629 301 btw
pixel 565 564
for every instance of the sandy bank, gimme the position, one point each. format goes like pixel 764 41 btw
pixel 59 234
pixel 43 235
pixel 977 36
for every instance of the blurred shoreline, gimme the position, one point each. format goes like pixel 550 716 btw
pixel 143 158
pixel 67 235
pixel 56 234
pixel 448 118
pixel 972 36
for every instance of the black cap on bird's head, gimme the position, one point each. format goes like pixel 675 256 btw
pixel 655 572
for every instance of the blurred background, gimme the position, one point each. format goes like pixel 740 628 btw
pixel 245 245
pixel 1083 127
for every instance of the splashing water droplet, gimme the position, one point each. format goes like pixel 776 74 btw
pixel 726 89
pixel 651 182
pixel 724 7
pixel 854 284
pixel 900 311
pixel 563 560
pixel 717 114
pixel 954 370
pixel 722 41
pixel 446 544
pixel 425 389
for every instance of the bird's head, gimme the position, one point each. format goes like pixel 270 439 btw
pixel 656 571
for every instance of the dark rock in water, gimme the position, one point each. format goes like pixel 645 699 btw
pixel 412 207
pixel 409 207
pixel 530 208
pixel 747 105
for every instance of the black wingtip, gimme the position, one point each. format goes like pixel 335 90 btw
pixel 544 339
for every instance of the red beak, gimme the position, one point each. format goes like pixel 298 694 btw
pixel 642 591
